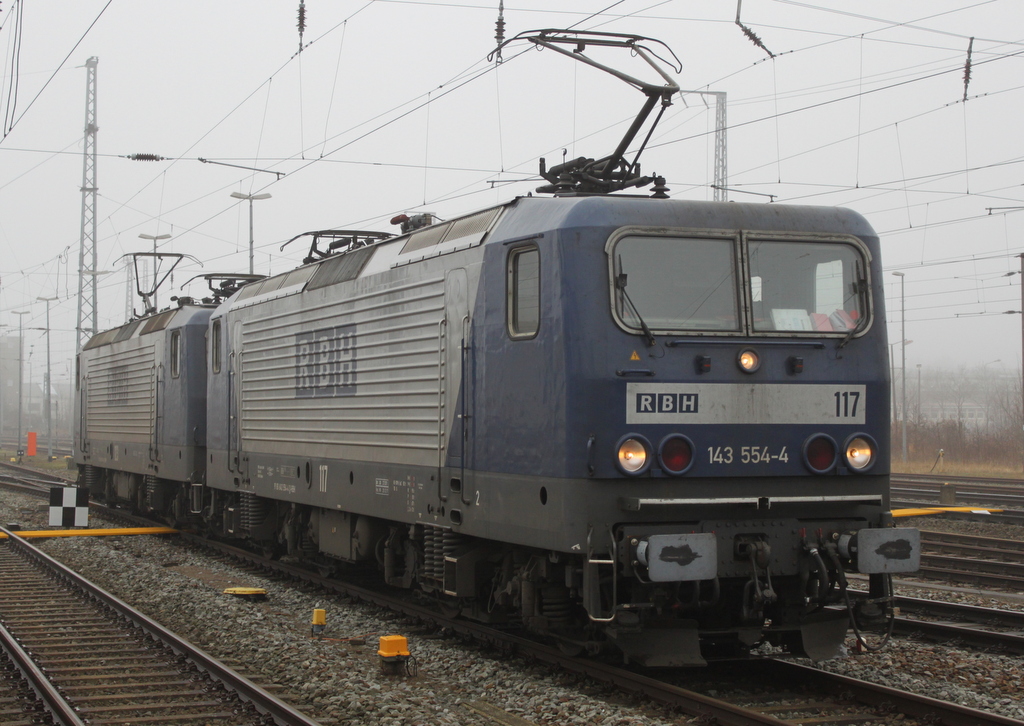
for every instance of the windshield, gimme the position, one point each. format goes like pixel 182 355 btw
pixel 693 284
pixel 804 286
pixel 678 283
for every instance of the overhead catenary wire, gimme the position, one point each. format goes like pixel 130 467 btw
pixel 502 165
pixel 14 122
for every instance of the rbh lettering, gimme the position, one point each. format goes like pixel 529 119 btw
pixel 667 402
pixel 325 362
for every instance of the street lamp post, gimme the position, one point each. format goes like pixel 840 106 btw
pixel 21 374
pixel 154 238
pixel 918 394
pixel 28 402
pixel 49 406
pixel 3 384
pixel 903 348
pixel 250 197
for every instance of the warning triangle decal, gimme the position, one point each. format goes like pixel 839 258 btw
pixel 634 356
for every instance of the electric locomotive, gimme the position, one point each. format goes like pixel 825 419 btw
pixel 655 423
pixel 140 401
pixel 140 409
pixel 617 421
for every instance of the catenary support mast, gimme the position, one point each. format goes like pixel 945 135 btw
pixel 86 325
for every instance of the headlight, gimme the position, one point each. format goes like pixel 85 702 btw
pixel 675 454
pixel 820 453
pixel 748 360
pixel 633 454
pixel 860 452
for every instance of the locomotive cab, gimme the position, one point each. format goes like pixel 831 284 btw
pixel 140 411
pixel 703 399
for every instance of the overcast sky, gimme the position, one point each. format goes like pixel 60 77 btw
pixel 392 106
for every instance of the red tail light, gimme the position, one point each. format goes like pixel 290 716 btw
pixel 675 454
pixel 820 453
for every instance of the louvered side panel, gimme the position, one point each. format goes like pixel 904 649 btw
pixel 356 378
pixel 121 391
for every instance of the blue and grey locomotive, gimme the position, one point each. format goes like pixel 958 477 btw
pixel 140 409
pixel 620 421
pixel 657 422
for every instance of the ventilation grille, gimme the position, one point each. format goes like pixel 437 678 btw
pixel 341 268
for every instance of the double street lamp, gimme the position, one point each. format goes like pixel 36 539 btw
pixel 49 408
pixel 250 197
pixel 21 374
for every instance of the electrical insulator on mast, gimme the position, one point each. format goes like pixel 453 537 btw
pixel 967 68
pixel 499 30
pixel 751 35
pixel 302 21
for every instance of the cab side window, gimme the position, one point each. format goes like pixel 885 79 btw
pixel 523 292
pixel 175 354
pixel 215 347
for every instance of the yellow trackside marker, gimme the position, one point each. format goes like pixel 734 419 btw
pixel 925 511
pixel 247 593
pixel 91 532
pixel 635 356
pixel 319 622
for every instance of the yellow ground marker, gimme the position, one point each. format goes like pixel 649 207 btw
pixel 90 532
pixel 925 511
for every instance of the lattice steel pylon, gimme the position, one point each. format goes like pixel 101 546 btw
pixel 720 185
pixel 721 150
pixel 87 252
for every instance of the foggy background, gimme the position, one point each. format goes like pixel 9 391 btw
pixel 907 112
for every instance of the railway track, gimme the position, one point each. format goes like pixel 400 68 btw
pixel 972 560
pixel 909 491
pixel 26 694
pixel 969 625
pixel 956 478
pixel 109 663
pixel 868 702
pixel 860 702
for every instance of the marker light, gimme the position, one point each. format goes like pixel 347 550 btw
pixel 633 454
pixel 748 361
pixel 675 454
pixel 859 452
pixel 820 453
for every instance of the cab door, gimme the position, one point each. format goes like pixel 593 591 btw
pixel 455 404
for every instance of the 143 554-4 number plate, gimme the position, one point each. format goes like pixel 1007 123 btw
pixel 747 454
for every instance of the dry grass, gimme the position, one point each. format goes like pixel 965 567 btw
pixel 38 462
pixel 949 467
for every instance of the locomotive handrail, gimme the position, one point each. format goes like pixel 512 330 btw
pixel 591 562
pixel 635 372
pixel 634 504
pixel 707 340
pixel 153 455
pixel 463 414
pixel 230 374
pixel 442 331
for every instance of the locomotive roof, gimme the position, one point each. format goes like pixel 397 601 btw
pixel 181 317
pixel 539 214
pixel 531 216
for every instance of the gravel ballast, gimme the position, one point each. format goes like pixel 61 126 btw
pixel 337 680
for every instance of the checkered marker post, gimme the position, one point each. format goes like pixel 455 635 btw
pixel 69 507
